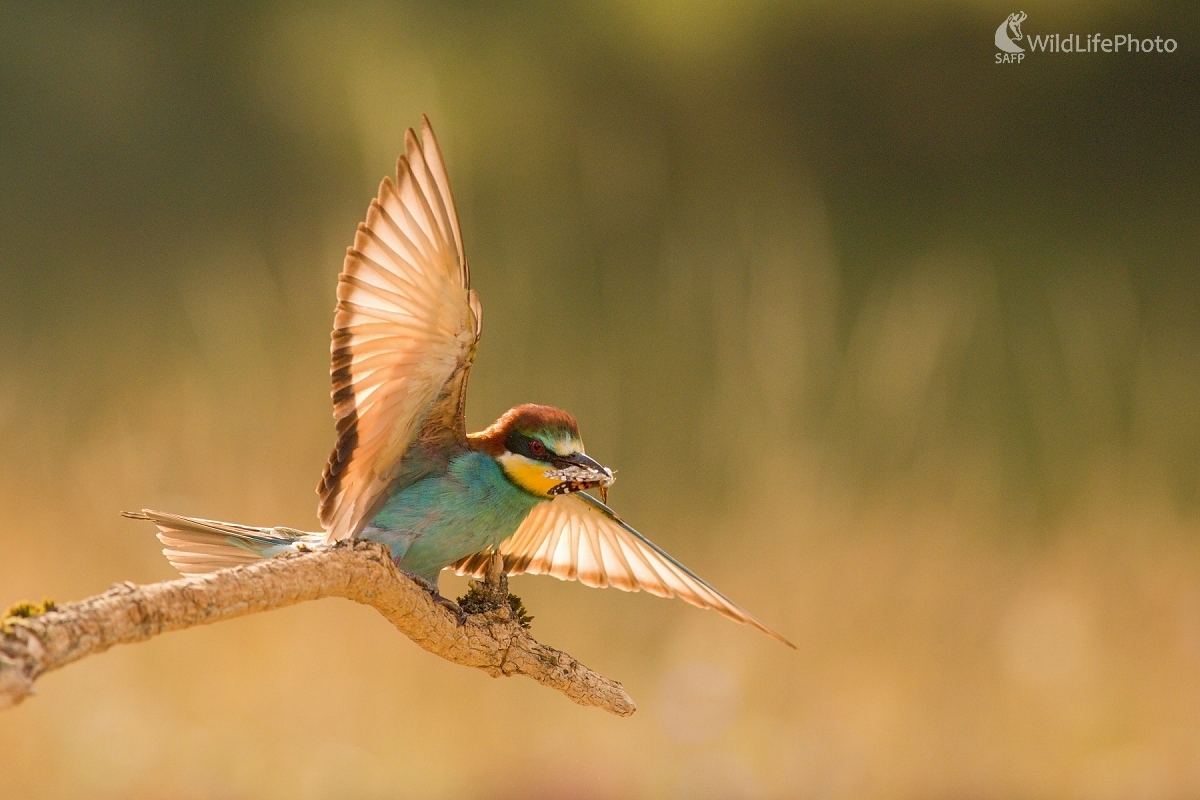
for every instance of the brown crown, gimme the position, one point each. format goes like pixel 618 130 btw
pixel 526 419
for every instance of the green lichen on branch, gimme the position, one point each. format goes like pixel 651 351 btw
pixel 25 610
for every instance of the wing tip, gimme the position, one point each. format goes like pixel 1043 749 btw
pixel 773 634
pixel 411 142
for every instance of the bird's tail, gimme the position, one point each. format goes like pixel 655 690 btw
pixel 203 545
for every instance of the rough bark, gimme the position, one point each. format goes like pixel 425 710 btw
pixel 492 641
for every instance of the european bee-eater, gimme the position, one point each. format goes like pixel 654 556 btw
pixel 404 471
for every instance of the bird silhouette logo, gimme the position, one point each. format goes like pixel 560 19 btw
pixel 1003 40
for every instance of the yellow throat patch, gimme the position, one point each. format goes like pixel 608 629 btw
pixel 530 475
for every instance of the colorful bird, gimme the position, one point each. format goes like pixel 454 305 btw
pixel 404 471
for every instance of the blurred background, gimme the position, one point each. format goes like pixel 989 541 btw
pixel 897 346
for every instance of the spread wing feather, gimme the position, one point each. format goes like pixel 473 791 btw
pixel 404 336
pixel 576 537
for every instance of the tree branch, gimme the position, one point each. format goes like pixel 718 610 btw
pixel 493 641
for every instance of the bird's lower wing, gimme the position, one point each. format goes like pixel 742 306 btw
pixel 576 537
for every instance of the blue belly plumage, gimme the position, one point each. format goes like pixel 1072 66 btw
pixel 449 515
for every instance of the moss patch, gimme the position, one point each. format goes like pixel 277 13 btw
pixel 523 618
pixel 481 599
pixel 25 610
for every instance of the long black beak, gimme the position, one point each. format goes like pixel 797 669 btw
pixel 578 472
pixel 581 460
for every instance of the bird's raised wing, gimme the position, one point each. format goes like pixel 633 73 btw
pixel 404 336
pixel 576 537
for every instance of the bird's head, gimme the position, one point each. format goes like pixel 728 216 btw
pixel 539 449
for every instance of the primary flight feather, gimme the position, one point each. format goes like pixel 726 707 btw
pixel 404 471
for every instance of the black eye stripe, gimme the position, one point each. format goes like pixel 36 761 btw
pixel 523 445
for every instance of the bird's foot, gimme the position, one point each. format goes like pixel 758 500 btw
pixel 445 602
pixel 453 607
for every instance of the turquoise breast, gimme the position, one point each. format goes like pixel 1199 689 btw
pixel 449 515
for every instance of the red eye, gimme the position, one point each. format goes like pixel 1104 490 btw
pixel 537 448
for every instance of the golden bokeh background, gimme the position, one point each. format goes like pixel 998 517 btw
pixel 897 346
